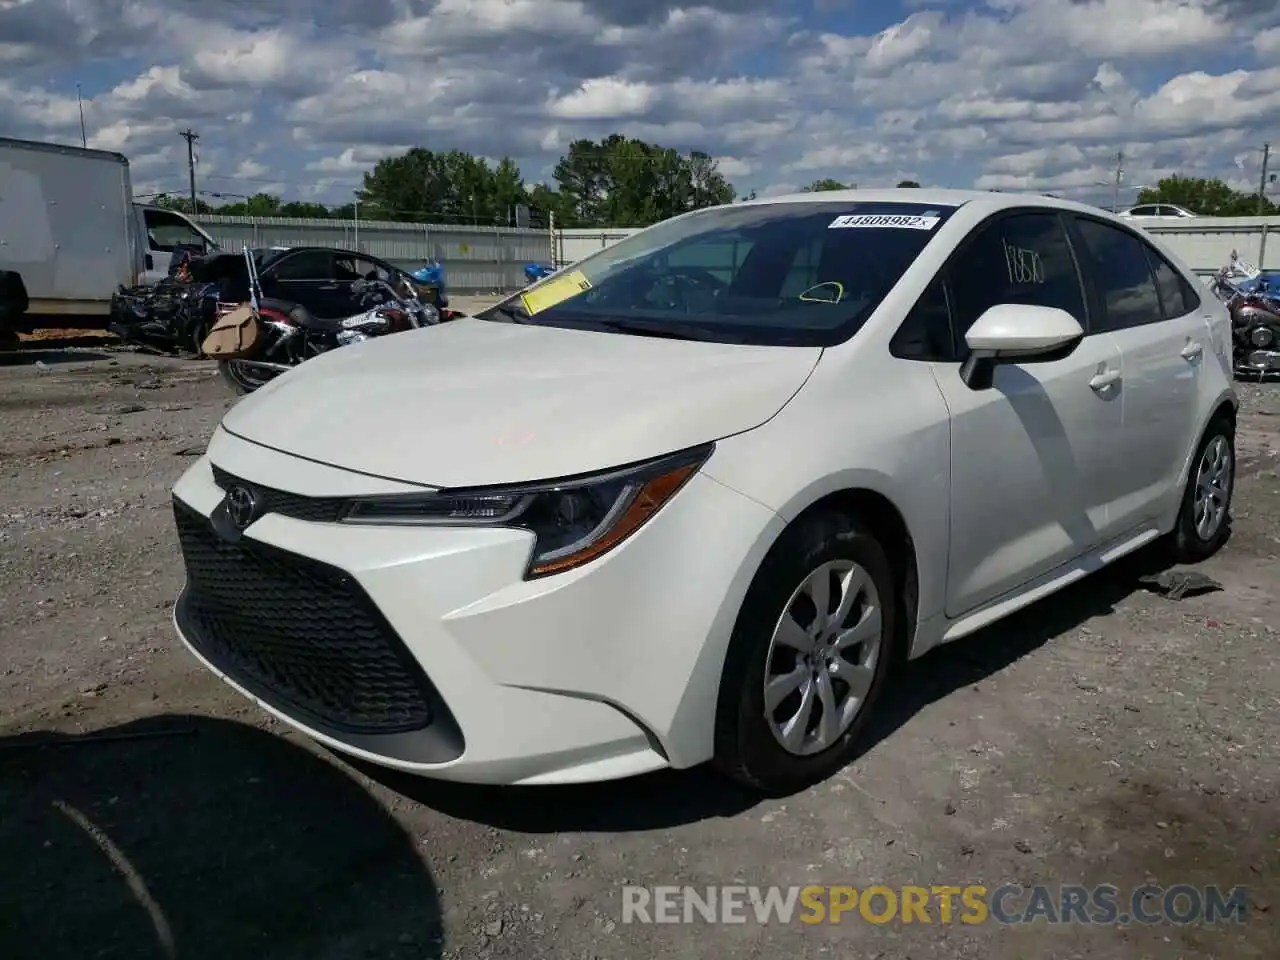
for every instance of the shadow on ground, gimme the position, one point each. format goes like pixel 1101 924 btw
pixel 189 837
pixel 668 798
pixel 50 352
pixel 971 660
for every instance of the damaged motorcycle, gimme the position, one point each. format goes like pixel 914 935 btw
pixel 1253 299
pixel 256 342
pixel 175 314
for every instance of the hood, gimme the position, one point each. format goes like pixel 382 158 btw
pixel 475 402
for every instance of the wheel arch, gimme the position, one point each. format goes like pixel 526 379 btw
pixel 890 528
pixel 1228 405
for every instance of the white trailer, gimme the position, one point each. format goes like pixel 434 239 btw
pixel 70 228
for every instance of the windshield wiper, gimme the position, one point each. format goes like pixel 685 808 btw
pixel 668 330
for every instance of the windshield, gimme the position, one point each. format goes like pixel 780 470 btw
pixel 805 274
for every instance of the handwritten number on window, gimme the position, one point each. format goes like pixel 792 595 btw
pixel 1025 266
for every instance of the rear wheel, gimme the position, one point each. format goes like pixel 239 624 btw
pixel 1204 519
pixel 244 379
pixel 809 656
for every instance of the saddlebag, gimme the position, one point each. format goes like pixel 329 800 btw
pixel 235 335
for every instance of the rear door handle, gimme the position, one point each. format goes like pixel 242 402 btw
pixel 1105 380
pixel 1193 350
pixel 327 286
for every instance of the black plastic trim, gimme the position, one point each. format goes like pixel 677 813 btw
pixel 439 741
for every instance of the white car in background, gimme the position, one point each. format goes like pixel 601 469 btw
pixel 692 497
pixel 1157 211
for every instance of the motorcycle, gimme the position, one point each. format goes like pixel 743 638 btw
pixel 1253 299
pixel 175 314
pixel 256 342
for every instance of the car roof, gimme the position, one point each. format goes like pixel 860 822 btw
pixel 310 248
pixel 988 201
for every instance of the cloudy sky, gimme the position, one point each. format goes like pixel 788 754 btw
pixel 298 97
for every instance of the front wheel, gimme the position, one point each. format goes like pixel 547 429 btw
pixel 809 656
pixel 244 380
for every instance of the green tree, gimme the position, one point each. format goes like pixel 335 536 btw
pixel 259 205
pixel 908 183
pixel 422 185
pixel 821 186
pixel 622 181
pixel 182 204
pixel 297 208
pixel 1208 197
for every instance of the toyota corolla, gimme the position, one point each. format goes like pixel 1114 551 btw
pixel 691 498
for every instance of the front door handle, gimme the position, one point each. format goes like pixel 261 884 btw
pixel 327 286
pixel 1193 350
pixel 1105 380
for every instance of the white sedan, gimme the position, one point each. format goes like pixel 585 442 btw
pixel 691 498
pixel 1157 211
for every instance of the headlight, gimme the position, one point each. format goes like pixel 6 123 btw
pixel 573 521
pixel 1261 337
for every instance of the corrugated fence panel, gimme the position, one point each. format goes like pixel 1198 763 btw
pixel 1205 243
pixel 476 259
pixel 576 244
pixel 487 259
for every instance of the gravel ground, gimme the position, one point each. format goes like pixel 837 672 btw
pixel 1108 735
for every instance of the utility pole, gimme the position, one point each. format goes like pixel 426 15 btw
pixel 1115 189
pixel 191 137
pixel 84 140
pixel 1262 185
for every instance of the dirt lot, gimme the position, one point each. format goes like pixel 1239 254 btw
pixel 1109 735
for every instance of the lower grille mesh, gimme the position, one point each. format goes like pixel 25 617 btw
pixel 298 633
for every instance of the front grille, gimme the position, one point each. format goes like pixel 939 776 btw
pixel 315 509
pixel 297 633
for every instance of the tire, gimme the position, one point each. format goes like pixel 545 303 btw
pixel 748 745
pixel 239 381
pixel 198 333
pixel 1188 543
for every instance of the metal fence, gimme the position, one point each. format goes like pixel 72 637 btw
pixel 492 259
pixel 575 244
pixel 476 259
pixel 1205 243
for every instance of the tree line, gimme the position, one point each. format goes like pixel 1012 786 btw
pixel 617 181
pixel 1208 197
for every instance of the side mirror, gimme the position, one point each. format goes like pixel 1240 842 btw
pixel 1017 333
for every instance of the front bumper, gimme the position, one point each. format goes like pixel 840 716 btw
pixel 423 649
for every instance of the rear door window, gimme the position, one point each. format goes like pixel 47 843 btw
pixel 1177 298
pixel 1118 266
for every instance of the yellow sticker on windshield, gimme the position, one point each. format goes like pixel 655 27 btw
pixel 555 290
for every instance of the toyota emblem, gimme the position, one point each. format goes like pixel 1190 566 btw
pixel 243 506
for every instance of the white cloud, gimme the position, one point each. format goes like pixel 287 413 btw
pixel 604 98
pixel 1267 44
pixel 1039 94
pixel 734 166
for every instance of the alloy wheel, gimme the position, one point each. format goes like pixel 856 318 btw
pixel 1214 475
pixel 822 657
